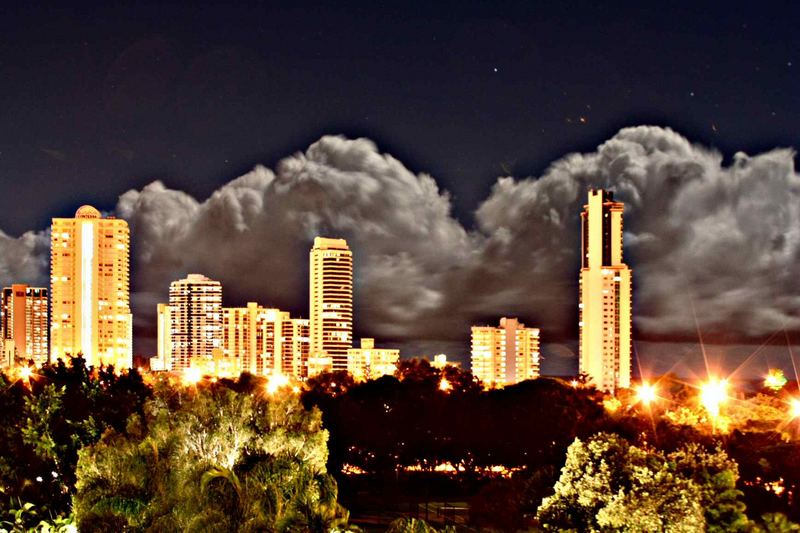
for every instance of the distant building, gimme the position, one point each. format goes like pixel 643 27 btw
pixel 440 361
pixel 296 347
pixel 331 301
pixel 194 320
pixel 605 295
pixel 266 341
pixel 163 359
pixel 90 289
pixel 505 355
pixel 368 362
pixel 8 354
pixel 24 321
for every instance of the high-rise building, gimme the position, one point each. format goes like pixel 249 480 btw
pixel 331 301
pixel 24 321
pixel 368 362
pixel 195 320
pixel 265 341
pixel 505 355
pixel 605 295
pixel 90 289
pixel 296 346
pixel 163 358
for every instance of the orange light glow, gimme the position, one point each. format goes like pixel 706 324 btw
pixel 444 385
pixel 275 382
pixel 192 375
pixel 713 394
pixel 646 393
pixel 795 407
pixel 25 373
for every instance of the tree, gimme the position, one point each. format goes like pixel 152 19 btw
pixel 209 457
pixel 608 484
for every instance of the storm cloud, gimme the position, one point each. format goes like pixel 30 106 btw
pixel 709 241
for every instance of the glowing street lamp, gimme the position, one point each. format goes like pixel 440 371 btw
pixel 275 382
pixel 775 379
pixel 192 375
pixel 444 385
pixel 25 374
pixel 713 394
pixel 795 408
pixel 646 393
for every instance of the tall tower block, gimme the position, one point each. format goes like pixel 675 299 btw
pixel 90 289
pixel 331 300
pixel 605 295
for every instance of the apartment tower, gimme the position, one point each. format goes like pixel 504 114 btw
pixel 331 300
pixel 195 318
pixel 605 295
pixel 506 354
pixel 24 322
pixel 90 289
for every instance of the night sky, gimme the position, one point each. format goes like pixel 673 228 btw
pixel 100 100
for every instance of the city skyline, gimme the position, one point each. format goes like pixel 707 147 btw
pixel 400 266
pixel 559 354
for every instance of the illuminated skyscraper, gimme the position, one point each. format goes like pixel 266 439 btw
pixel 195 311
pixel 369 362
pixel 163 359
pixel 24 321
pixel 90 289
pixel 505 355
pixel 605 295
pixel 296 346
pixel 265 341
pixel 331 300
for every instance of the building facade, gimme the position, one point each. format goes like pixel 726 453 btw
pixel 255 337
pixel 163 358
pixel 331 301
pixel 605 295
pixel 506 354
pixel 90 289
pixel 195 321
pixel 368 362
pixel 24 320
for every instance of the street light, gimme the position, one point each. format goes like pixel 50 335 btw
pixel 795 407
pixel 444 385
pixel 275 382
pixel 646 393
pixel 713 394
pixel 192 375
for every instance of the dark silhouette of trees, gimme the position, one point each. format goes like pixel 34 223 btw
pixel 46 420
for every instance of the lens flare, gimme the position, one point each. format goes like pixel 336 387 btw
pixel 646 393
pixel 192 375
pixel 713 394
pixel 275 382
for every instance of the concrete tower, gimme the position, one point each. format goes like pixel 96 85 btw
pixel 90 289
pixel 331 300
pixel 605 295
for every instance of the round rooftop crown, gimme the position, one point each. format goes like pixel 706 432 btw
pixel 87 211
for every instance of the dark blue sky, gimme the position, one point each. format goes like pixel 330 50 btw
pixel 99 99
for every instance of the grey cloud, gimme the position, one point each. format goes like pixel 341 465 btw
pixel 720 240
pixel 25 259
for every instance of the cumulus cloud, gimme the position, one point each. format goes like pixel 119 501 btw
pixel 720 240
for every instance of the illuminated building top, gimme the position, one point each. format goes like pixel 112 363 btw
pixel 331 300
pixel 90 289
pixel 605 295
